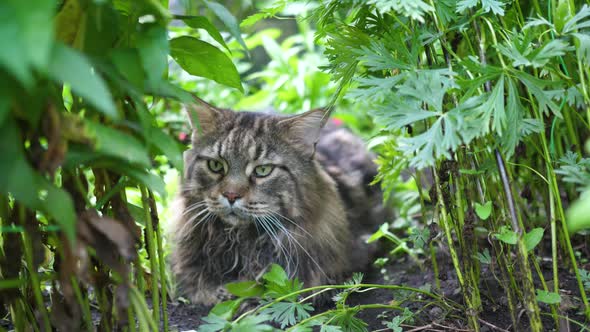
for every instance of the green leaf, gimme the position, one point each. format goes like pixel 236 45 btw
pixel 158 138
pixel 201 22
pixel 463 5
pixel 579 21
pixel 115 143
pixel 245 288
pixel 226 309
pixel 483 211
pixel 152 181
pixel 497 7
pixel 203 59
pixel 69 66
pixel 532 238
pixel 129 65
pixel 99 28
pixel 507 235
pixel 415 9
pixel 213 323
pixel 420 237
pixel 153 51
pixel 167 146
pixel 253 323
pixel 381 232
pixel 29 187
pixel 485 257
pixel 548 297
pixel 228 20
pixel 276 275
pixel 578 214
pixel 288 313
pixel 36 38
pixel 263 14
pixel 14 58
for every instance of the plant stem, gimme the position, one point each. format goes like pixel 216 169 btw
pixel 445 223
pixel 446 302
pixel 152 252
pixel 529 289
pixel 34 277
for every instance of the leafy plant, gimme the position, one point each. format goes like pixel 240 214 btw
pixel 460 88
pixel 83 144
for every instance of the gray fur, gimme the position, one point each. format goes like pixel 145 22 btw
pixel 295 217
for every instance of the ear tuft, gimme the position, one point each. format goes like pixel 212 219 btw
pixel 202 116
pixel 304 129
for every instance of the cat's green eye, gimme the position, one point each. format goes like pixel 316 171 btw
pixel 215 166
pixel 263 170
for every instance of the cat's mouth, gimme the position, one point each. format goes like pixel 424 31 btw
pixel 235 217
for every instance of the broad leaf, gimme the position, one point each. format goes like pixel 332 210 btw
pixel 112 142
pixel 229 20
pixel 29 187
pixel 153 51
pixel 548 297
pixel 245 288
pixel 288 313
pixel 483 211
pixel 276 275
pixel 203 59
pixel 507 235
pixel 226 309
pixel 532 238
pixel 201 22
pixel 68 66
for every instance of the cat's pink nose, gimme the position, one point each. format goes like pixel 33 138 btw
pixel 231 196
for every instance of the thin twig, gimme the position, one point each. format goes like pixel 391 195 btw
pixel 492 325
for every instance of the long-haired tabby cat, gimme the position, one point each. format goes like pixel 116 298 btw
pixel 262 188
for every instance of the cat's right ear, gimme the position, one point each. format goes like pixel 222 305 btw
pixel 203 117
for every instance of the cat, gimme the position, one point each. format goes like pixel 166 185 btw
pixel 263 188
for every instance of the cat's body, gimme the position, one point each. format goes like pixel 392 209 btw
pixel 256 192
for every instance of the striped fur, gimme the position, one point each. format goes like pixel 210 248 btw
pixel 295 216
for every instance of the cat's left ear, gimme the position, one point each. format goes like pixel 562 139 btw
pixel 203 116
pixel 304 129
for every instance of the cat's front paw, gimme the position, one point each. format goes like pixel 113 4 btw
pixel 210 296
pixel 223 294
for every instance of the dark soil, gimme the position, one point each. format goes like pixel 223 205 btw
pixel 494 316
pixel 430 317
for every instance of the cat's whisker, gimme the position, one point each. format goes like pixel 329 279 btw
pixel 267 224
pixel 289 220
pixel 204 215
pixel 288 234
pixel 193 207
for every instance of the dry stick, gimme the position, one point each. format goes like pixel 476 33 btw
pixel 492 326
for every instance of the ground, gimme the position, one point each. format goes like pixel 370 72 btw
pixel 494 317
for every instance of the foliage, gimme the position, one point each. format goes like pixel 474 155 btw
pixel 478 111
pixel 84 148
pixel 281 301
pixel 484 98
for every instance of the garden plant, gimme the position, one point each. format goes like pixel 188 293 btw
pixel 478 111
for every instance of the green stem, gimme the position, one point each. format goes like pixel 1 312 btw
pixel 355 308
pixel 445 302
pixel 163 287
pixel 152 252
pixel 445 224
pixel 33 275
pixel 83 301
pixel 529 289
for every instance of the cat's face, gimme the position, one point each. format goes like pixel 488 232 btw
pixel 248 168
